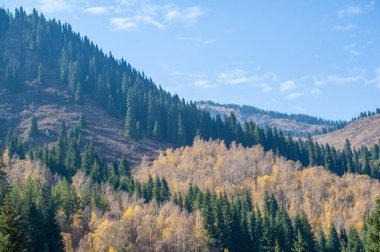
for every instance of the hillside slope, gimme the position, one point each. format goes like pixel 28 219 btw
pixel 296 124
pixel 53 105
pixel 364 131
pixel 326 198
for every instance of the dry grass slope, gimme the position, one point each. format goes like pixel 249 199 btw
pixel 365 131
pixel 53 105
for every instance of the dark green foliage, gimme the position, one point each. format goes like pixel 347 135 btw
pixel 322 246
pixel 4 22
pixel 303 226
pixel 12 78
pixel 40 75
pixel 371 235
pixel 82 122
pixel 354 242
pixel 300 244
pixel 12 236
pixel 33 128
pixel 333 244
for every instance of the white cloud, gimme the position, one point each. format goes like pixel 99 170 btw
pixel 97 10
pixel 197 39
pixel 293 96
pixel 188 15
pixel 350 11
pixel 239 76
pixel 340 80
pixel 55 5
pixel 133 23
pixel 204 84
pixel 287 85
pixel 315 91
pixel 376 80
pixel 265 88
pixel 353 10
pixel 346 27
pixel 352 49
pixel 127 2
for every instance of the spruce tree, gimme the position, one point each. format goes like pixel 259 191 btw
pixel 12 237
pixel 130 120
pixel 371 235
pixel 333 244
pixel 299 244
pixel 157 131
pixel 33 128
pixel 40 79
pixel 354 243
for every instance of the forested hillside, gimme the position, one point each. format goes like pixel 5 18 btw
pixel 76 65
pixel 294 124
pixel 238 199
pixel 75 123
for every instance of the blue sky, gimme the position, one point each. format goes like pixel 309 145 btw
pixel 315 57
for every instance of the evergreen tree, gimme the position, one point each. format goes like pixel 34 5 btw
pixel 33 128
pixel 12 237
pixel 371 235
pixel 354 243
pixel 181 134
pixel 333 244
pixel 299 244
pixel 322 240
pixel 82 121
pixel 130 120
pixel 157 131
pixel 40 79
pixel 78 96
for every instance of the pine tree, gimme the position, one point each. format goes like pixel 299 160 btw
pixel 130 120
pixel 371 235
pixel 354 243
pixel 333 244
pixel 157 131
pixel 299 243
pixel 123 167
pixel 321 240
pixel 33 128
pixel 82 121
pixel 181 134
pixel 78 96
pixel 12 237
pixel 40 78
pixel 302 224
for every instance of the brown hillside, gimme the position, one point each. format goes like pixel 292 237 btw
pixel 283 124
pixel 53 105
pixel 365 131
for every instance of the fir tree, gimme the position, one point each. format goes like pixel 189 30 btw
pixel 33 128
pixel 12 237
pixel 354 242
pixel 371 235
pixel 333 244
pixel 130 120
pixel 299 243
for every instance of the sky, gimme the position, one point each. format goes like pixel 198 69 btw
pixel 314 57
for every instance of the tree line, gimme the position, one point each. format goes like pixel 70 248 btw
pixel 149 111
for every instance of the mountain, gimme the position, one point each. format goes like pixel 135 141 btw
pixel 52 71
pixel 71 116
pixel 295 124
pixel 363 131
